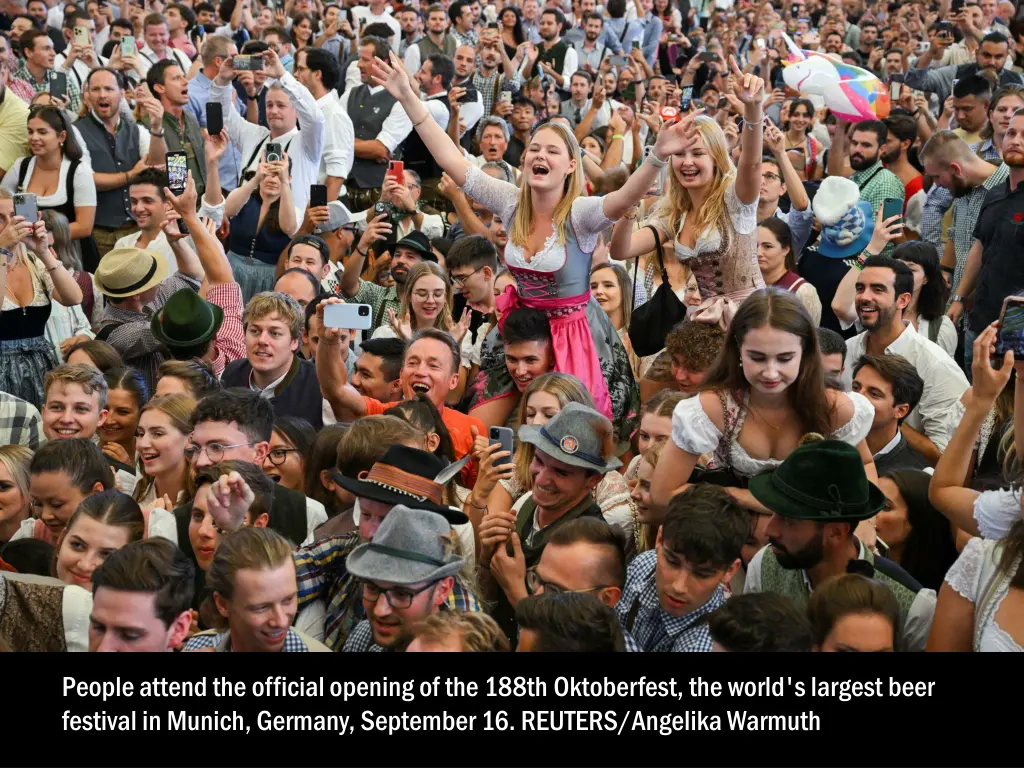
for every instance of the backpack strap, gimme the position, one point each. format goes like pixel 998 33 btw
pixel 23 172
pixel 104 332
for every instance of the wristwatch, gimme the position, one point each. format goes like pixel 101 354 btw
pixel 958 298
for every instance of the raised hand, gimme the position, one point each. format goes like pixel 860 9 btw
pixel 394 77
pixel 216 145
pixel 402 327
pixel 460 329
pixel 185 203
pixel 885 232
pixel 750 88
pixel 678 137
pixel 229 500
pixel 987 382
pixel 272 64
pixel 378 229
pixel 774 139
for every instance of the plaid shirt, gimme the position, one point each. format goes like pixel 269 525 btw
pixel 43 86
pixel 380 298
pixel 361 640
pixel 133 337
pixel 322 575
pixel 878 184
pixel 471 38
pixel 652 628
pixel 488 87
pixel 20 422
pixel 965 216
pixel 292 642
pixel 229 343
pixel 940 199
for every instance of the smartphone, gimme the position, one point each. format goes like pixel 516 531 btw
pixel 357 317
pixel 708 56
pixel 658 187
pixel 895 86
pixel 505 97
pixel 794 10
pixel 177 172
pixel 470 96
pixel 396 171
pixel 684 102
pixel 317 195
pixel 25 205
pixel 893 206
pixel 619 61
pixel 760 43
pixel 58 84
pixel 956 6
pixel 273 151
pixel 502 436
pixel 923 45
pixel 1011 327
pixel 247 63
pixel 128 46
pixel 636 45
pixel 214 118
pixel 82 36
pixel 493 25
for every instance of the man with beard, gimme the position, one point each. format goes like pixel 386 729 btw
pixel 901 137
pixel 994 263
pixel 437 40
pixel 410 250
pixel 115 144
pixel 952 165
pixel 884 288
pixel 470 112
pixel 876 184
pixel 590 50
pixel 557 59
pixel 990 56
pixel 971 96
pixel 817 497
pixel 671 589
pixel 407 572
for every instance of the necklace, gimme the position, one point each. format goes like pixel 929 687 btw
pixel 760 415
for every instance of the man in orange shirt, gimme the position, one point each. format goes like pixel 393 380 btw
pixel 430 367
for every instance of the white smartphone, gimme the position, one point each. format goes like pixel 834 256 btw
pixel 357 317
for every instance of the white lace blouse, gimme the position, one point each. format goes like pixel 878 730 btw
pixel 694 432
pixel 742 216
pixel 587 219
pixel 975 576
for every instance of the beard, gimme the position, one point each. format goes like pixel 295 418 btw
pixel 808 557
pixel 958 187
pixel 890 157
pixel 861 162
pixel 883 317
pixel 1014 159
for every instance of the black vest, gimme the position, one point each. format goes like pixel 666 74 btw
pixel 298 395
pixel 555 56
pixel 416 155
pixel 111 154
pixel 368 112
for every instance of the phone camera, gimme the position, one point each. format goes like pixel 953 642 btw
pixel 364 311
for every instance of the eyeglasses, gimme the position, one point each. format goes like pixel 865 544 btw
pixel 458 282
pixel 214 451
pixel 277 456
pixel 771 177
pixel 397 597
pixel 534 583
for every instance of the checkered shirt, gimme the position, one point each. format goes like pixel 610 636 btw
pixel 652 628
pixel 292 642
pixel 20 422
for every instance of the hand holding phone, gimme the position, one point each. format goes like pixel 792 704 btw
pixel 1011 328
pixel 177 172
pixel 214 118
pixel 317 195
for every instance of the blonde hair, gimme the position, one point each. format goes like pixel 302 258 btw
pixel 267 303
pixel 522 222
pixel 89 378
pixel 16 459
pixel 568 389
pixel 261 549
pixel 418 271
pixel 670 209
pixel 178 408
pixel 477 632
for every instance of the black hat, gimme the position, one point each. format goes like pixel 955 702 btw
pixel 418 242
pixel 822 481
pixel 404 476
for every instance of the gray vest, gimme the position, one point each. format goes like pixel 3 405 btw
pixel 111 154
pixel 428 47
pixel 368 113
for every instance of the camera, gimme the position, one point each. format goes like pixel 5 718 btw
pixel 363 310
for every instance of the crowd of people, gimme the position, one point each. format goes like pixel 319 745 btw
pixel 476 326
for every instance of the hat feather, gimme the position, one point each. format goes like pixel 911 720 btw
pixel 834 199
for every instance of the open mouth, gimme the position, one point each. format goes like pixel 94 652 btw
pixel 420 388
pixel 262 355
pixel 148 458
pixel 274 635
pixel 67 431
pixel 540 170
pixel 274 477
pixel 689 175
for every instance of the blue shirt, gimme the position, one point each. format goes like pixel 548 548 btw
pixel 231 162
pixel 654 629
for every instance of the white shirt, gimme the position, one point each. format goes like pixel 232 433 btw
pixel 339 139
pixel 79 70
pixel 147 58
pixel 161 245
pixel 363 12
pixel 470 113
pixel 304 147
pixel 102 38
pixel 396 127
pixel 890 446
pixel 85 185
pixel 940 409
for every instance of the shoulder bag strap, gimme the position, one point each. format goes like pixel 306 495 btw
pixel 661 255
pixel 23 172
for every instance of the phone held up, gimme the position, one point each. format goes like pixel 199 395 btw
pixel 893 206
pixel 895 86
pixel 502 436
pixel 396 171
pixel 1011 328
pixel 82 36
pixel 25 206
pixel 128 46
pixel 214 118
pixel 355 317
pixel 273 151
pixel 317 195
pixel 177 172
pixel 58 85
pixel 247 63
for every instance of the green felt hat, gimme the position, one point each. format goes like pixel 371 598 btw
pixel 186 320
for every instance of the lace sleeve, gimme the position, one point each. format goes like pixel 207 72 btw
pixel 995 512
pixel 692 430
pixel 515 490
pixel 965 575
pixel 495 195
pixel 743 216
pixel 857 428
pixel 588 221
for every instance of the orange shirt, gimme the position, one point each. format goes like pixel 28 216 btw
pixel 458 424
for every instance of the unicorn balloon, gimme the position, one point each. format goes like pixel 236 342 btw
pixel 852 93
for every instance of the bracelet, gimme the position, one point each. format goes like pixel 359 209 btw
pixel 476 506
pixel 58 265
pixel 421 121
pixel 656 161
pixel 754 124
pixel 8 254
pixel 361 253
pixel 618 136
pixel 957 298
pixel 158 135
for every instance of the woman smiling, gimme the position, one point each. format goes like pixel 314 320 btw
pixel 102 524
pixel 164 476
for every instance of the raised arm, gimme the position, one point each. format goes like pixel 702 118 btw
pixel 208 249
pixel 346 402
pixel 397 81
pixel 749 90
pixel 628 243
pixel 946 490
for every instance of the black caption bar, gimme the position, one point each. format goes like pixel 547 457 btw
pixel 423 709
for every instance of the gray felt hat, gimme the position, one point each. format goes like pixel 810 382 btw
pixel 411 546
pixel 573 436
